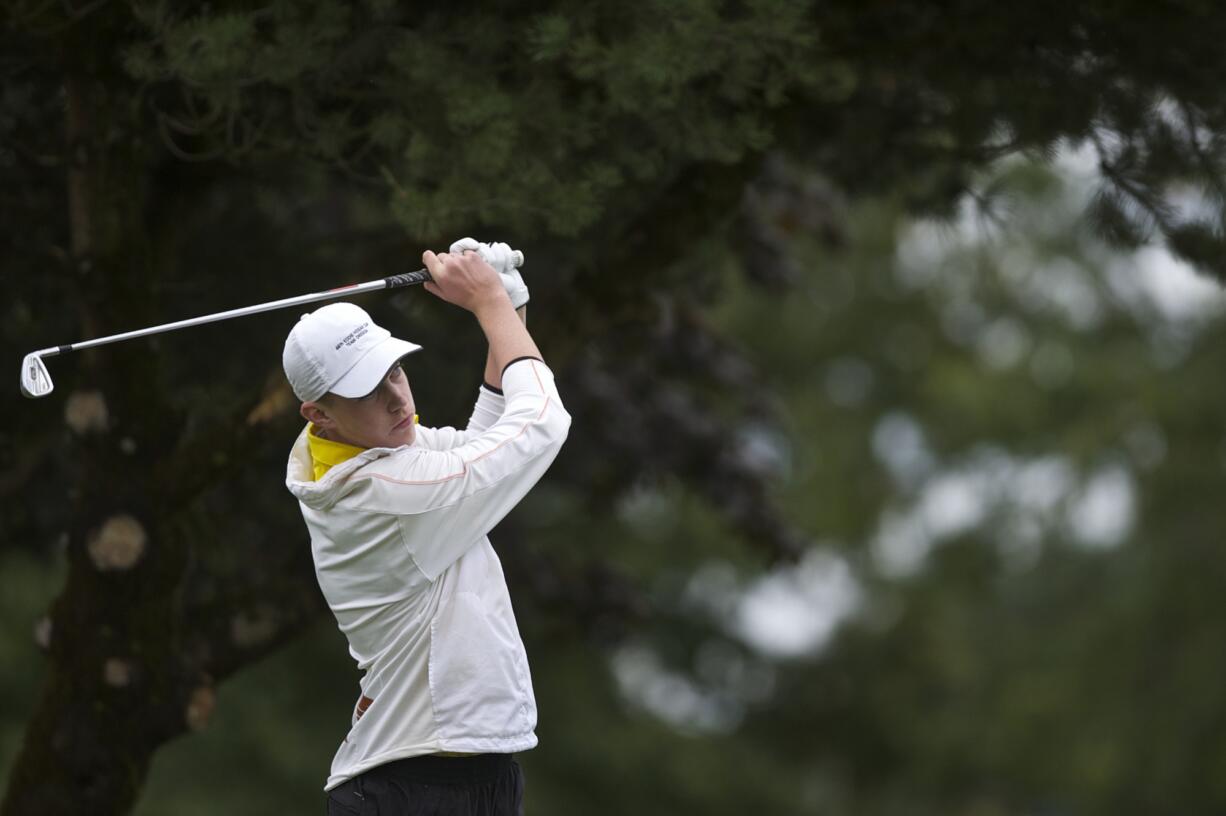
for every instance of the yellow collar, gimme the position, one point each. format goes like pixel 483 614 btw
pixel 325 453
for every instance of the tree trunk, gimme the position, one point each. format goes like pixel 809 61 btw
pixel 134 652
pixel 110 695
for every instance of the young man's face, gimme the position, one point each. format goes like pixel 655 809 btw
pixel 381 419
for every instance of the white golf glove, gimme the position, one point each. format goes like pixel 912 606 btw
pixel 505 262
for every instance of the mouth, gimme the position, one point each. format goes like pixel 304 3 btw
pixel 405 423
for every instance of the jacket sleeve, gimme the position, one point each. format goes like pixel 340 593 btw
pixel 448 500
pixel 486 411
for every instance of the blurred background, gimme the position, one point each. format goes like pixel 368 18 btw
pixel 892 334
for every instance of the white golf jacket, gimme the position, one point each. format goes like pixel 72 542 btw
pixel 401 554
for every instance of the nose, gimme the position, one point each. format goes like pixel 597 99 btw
pixel 397 402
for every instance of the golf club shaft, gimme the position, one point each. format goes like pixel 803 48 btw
pixel 406 279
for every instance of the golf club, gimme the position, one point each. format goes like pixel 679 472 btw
pixel 36 380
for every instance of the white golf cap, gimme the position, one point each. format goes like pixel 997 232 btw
pixel 339 349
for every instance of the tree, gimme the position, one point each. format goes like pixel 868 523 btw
pixel 1022 483
pixel 277 146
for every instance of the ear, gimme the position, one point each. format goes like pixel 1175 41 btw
pixel 316 414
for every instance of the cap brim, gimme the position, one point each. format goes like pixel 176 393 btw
pixel 369 371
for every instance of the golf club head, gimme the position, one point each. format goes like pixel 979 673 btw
pixel 35 379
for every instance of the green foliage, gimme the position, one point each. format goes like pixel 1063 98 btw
pixel 752 375
pixel 627 95
pixel 1108 213
pixel 999 679
pixel 1003 674
pixel 1199 243
pixel 29 586
pixel 272 733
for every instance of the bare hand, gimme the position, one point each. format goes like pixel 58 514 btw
pixel 464 280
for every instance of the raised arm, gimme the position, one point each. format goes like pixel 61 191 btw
pixel 493 374
pixel 506 262
pixel 470 283
pixel 490 401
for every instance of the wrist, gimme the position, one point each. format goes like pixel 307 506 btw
pixel 493 303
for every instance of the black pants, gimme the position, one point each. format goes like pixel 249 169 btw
pixel 481 785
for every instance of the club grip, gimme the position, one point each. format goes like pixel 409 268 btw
pixel 408 279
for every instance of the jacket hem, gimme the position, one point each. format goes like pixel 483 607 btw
pixel 468 745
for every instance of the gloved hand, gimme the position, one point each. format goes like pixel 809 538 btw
pixel 505 262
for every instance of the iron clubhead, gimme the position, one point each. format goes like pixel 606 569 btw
pixel 35 379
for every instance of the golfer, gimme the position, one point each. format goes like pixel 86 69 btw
pixel 398 515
